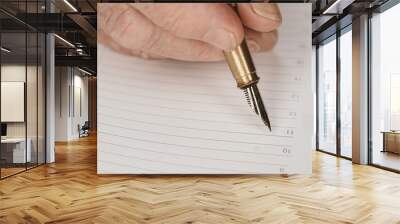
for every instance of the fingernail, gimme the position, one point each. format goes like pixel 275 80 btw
pixel 221 38
pixel 253 45
pixel 267 10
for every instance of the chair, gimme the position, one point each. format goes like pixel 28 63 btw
pixel 84 130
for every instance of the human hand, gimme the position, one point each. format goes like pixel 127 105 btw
pixel 190 32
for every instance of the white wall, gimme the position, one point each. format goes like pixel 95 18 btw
pixel 80 110
pixel 33 127
pixel 50 95
pixel 70 83
pixel 12 73
pixel 13 101
pixel 314 76
pixel 62 81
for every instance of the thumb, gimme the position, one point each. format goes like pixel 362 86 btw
pixel 262 17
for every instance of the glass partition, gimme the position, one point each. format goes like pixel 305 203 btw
pixel 346 93
pixel 14 155
pixel 31 99
pixel 22 77
pixel 32 86
pixel 385 89
pixel 327 96
pixel 41 97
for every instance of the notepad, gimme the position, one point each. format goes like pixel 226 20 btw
pixel 174 117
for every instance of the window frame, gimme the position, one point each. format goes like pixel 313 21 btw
pixel 334 37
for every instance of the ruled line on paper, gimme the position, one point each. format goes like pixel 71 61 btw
pixel 273 112
pixel 227 79
pixel 126 85
pixel 270 61
pixel 140 159
pixel 138 149
pixel 291 97
pixel 140 169
pixel 127 82
pixel 281 149
pixel 157 171
pixel 133 103
pixel 216 102
pixel 271 72
pixel 194 119
pixel 284 132
pixel 188 137
pixel 192 74
pixel 261 68
pixel 164 102
pixel 200 88
pixel 288 115
pixel 216 166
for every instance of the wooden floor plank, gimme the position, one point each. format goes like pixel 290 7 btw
pixel 70 191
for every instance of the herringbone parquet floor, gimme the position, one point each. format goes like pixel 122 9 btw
pixel 69 191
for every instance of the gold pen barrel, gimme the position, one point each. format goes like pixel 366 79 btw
pixel 241 65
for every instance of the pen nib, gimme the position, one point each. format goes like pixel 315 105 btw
pixel 255 101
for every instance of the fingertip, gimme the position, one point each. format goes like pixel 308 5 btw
pixel 222 38
pixel 262 17
pixel 261 41
pixel 267 10
pixel 226 30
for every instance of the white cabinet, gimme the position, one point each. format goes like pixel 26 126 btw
pixel 19 155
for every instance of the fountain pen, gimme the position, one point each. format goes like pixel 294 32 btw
pixel 243 70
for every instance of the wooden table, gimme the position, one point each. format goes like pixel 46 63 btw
pixel 391 141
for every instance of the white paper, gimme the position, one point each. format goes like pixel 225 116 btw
pixel 171 117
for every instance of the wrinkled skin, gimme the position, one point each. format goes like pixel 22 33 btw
pixel 189 32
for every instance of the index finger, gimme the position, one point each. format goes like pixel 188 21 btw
pixel 214 23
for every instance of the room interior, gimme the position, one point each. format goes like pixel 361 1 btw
pixel 22 102
pixel 49 123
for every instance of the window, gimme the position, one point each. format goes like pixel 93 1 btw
pixel 346 93
pixel 385 89
pixel 334 77
pixel 327 97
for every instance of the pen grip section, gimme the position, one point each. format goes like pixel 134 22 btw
pixel 241 65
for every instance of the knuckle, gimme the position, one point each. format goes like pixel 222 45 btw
pixel 152 43
pixel 273 39
pixel 115 21
pixel 171 18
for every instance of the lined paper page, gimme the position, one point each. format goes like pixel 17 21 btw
pixel 171 117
